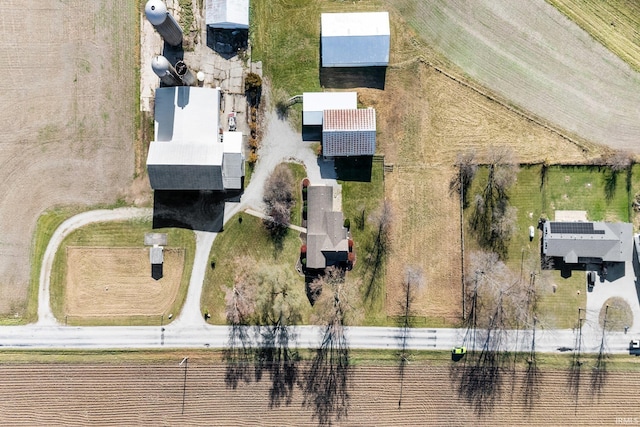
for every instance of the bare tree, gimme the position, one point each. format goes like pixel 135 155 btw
pixel 413 282
pixel 278 308
pixel 278 197
pixel 240 308
pixel 467 166
pixel 618 160
pixel 377 251
pixel 493 219
pixel 326 384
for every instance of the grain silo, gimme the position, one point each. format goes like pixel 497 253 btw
pixel 163 22
pixel 163 69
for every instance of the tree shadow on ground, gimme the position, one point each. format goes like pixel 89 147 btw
pixel 238 356
pixel 280 361
pixel 610 182
pixel 327 380
pixel 480 380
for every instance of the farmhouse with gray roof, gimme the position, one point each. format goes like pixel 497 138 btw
pixel 327 241
pixel 593 242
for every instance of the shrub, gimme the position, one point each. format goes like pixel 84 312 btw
pixel 303 249
pixel 347 225
pixel 253 158
pixel 305 182
pixel 304 261
pixel 253 143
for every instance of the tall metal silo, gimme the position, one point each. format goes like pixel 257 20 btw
pixel 163 22
pixel 165 71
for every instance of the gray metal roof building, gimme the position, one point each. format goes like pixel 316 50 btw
pixel 227 14
pixel 578 242
pixel 349 132
pixel 327 242
pixel 355 39
pixel 187 153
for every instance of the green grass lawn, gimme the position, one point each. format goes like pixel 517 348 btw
pixel 361 200
pixel 539 192
pixel 245 235
pixel 119 234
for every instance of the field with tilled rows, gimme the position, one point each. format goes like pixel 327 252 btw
pixel 132 394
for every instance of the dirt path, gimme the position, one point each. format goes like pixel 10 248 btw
pixel 67 128
pixel 546 65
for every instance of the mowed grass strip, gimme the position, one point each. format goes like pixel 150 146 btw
pixel 119 234
pixel 614 23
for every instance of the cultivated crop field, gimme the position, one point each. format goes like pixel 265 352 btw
pixel 113 282
pixel 132 393
pixel 68 122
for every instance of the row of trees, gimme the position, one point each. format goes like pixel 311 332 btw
pixel 262 310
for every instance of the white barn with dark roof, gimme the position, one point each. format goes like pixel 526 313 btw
pixel 187 153
pixel 349 132
pixel 361 39
pixel 227 14
pixel 314 104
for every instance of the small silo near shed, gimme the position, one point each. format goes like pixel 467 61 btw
pixel 165 24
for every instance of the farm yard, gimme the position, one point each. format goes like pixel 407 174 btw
pixel 69 120
pixel 116 282
pixel 152 393
pixel 102 275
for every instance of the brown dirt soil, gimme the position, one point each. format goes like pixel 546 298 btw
pixel 117 282
pixel 134 394
pixel 67 127
pixel 427 118
pixel 547 65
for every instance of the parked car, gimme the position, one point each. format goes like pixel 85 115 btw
pixel 232 122
pixel 591 280
pixel 634 345
pixel 459 351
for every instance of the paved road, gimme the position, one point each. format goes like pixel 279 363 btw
pixel 179 335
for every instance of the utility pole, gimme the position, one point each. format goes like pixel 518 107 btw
pixel 185 361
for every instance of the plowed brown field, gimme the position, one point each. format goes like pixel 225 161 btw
pixel 131 394
pixel 67 126
pixel 117 282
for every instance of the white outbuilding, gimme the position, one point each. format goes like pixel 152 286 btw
pixel 187 153
pixel 227 14
pixel 314 104
pixel 359 39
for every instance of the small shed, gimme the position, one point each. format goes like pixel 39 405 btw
pixel 358 39
pixel 349 132
pixel 156 257
pixel 314 104
pixel 227 14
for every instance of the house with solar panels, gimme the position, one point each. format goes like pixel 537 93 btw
pixel 359 39
pixel 588 242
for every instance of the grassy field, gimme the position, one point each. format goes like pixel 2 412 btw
pixel 118 234
pixel 614 23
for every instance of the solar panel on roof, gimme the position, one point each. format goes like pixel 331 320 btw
pixel 574 228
